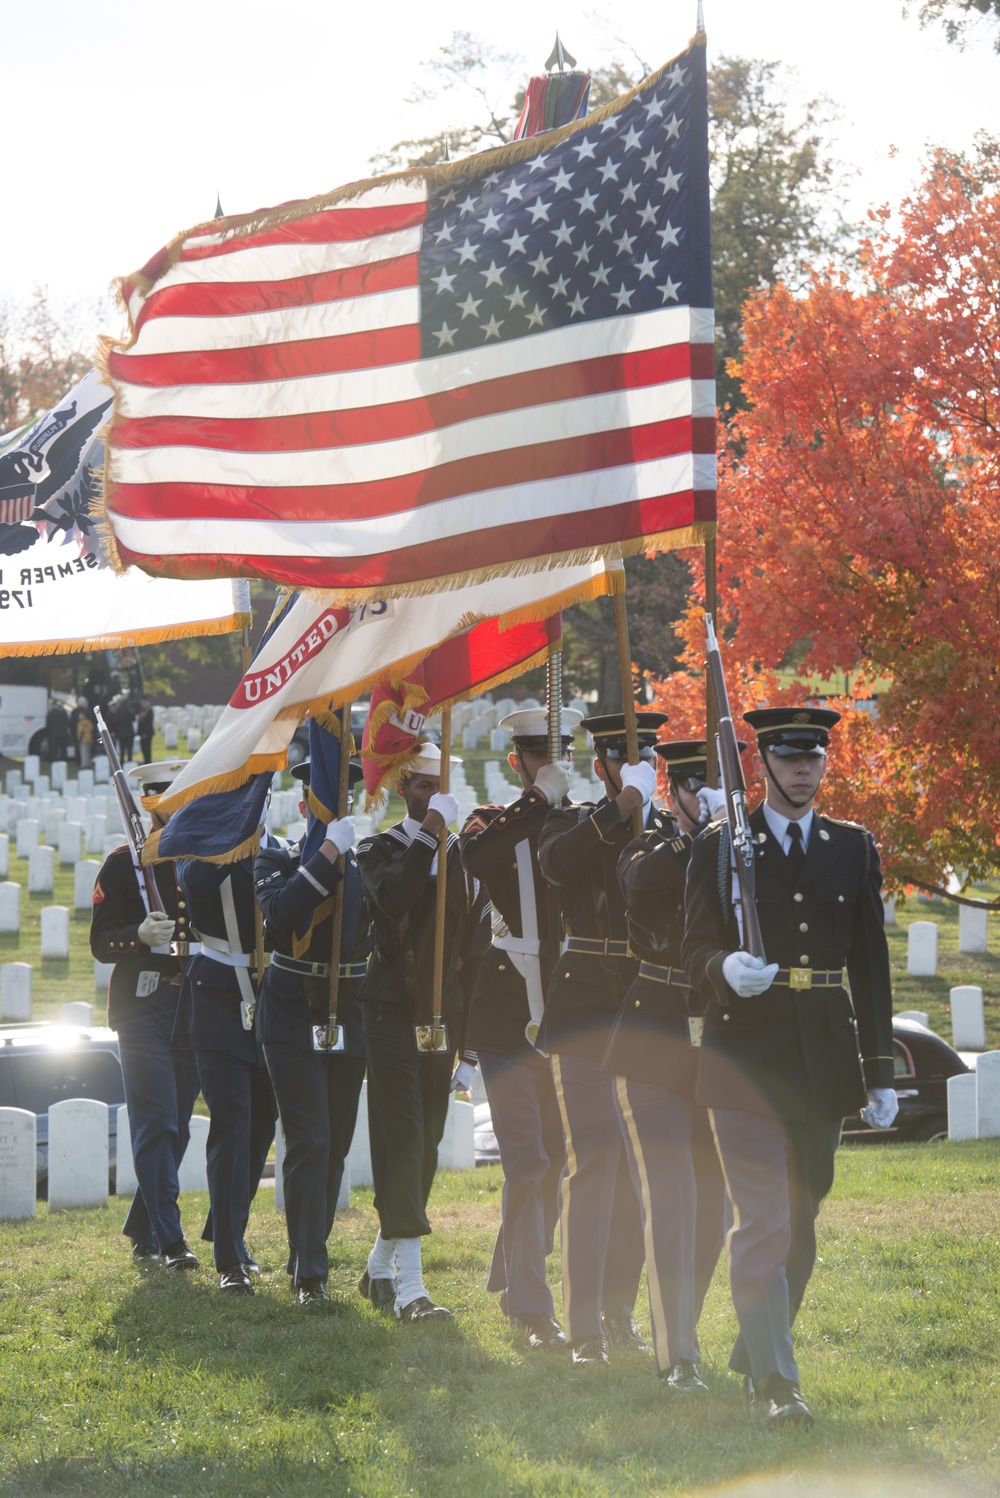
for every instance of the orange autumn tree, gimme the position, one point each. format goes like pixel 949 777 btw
pixel 859 522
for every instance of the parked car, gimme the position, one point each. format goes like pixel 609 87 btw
pixel 923 1063
pixel 42 1064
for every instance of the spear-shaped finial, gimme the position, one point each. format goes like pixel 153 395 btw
pixel 701 16
pixel 559 58
pixel 218 206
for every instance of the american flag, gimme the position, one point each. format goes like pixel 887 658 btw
pixel 499 364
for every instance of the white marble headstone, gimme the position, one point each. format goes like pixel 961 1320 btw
pixel 41 870
pixel 359 1158
pixel 988 1095
pixel 85 782
pixel 32 767
pixel 55 931
pixel 922 949
pixel 70 839
pixel 77 1012
pixel 78 1154
pixel 15 991
pixel 968 1022
pixel 193 1174
pixel 125 1181
pixel 17 1163
pixel 10 906
pixel 4 855
pixel 57 774
pixel 889 903
pixel 102 975
pixel 962 1106
pixel 973 929
pixel 84 878
pixel 28 829
pixel 102 775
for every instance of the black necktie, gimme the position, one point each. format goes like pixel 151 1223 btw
pixel 796 854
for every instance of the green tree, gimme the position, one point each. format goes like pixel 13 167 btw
pixel 963 20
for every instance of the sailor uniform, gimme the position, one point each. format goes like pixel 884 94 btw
pixel 409 1091
pixel 223 986
pixel 499 846
pixel 781 1070
pixel 317 1092
pixel 671 1152
pixel 148 1006
pixel 601 1229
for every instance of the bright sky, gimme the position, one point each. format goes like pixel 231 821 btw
pixel 129 117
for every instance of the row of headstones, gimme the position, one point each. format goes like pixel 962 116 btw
pixel 482 717
pixel 974 1100
pixel 84 877
pixel 30 780
pixel 922 940
pixel 79 1156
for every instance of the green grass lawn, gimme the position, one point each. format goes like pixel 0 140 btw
pixel 133 1382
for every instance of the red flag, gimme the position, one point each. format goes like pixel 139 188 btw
pixel 476 660
pixel 499 364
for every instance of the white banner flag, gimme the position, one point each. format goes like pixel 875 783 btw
pixel 58 591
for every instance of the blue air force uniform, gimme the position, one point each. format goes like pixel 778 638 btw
pixel 223 985
pixel 779 1071
pixel 523 1105
pixel 148 1006
pixel 408 1092
pixel 671 1152
pixel 601 1230
pixel 317 1092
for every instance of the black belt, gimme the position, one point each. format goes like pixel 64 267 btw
pixel 594 947
pixel 660 974
pixel 808 977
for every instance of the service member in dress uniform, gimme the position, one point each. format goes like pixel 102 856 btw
pixel 148 1006
pixel 500 848
pixel 408 1090
pixel 316 1090
pixel 601 1229
pixel 779 1063
pixel 652 1052
pixel 222 981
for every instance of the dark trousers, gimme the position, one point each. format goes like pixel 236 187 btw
pixel 242 1108
pixel 408 1096
pixel 682 1200
pixel 317 1097
pixel 777 1174
pixel 525 1117
pixel 600 1222
pixel 161 1085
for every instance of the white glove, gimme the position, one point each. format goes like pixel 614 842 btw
pixel 712 802
pixel 157 929
pixel 747 975
pixel 445 804
pixel 553 782
pixel 642 776
pixel 342 833
pixel 461 1077
pixel 883 1105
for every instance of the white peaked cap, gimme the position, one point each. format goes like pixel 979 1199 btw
pixel 533 722
pixel 160 772
pixel 428 761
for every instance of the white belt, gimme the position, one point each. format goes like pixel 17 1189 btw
pixel 228 959
pixel 531 946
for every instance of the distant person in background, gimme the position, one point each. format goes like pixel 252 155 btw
pixel 57 729
pixel 144 723
pixel 125 728
pixel 84 733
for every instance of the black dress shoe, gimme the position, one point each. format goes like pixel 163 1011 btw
pixel 592 1352
pixel 685 1377
pixel 179 1256
pixel 623 1335
pixel 312 1292
pixel 544 1334
pixel 235 1280
pixel 784 1403
pixel 249 1262
pixel 144 1253
pixel 381 1292
pixel 422 1309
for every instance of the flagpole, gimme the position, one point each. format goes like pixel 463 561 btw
pixel 438 1038
pixel 711 706
pixel 334 1033
pixel 553 696
pixel 628 696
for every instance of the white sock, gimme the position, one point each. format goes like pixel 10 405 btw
pixel 380 1259
pixel 409 1272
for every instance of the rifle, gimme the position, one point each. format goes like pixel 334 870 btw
pixel 135 834
pixel 737 811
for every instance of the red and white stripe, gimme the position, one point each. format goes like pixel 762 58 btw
pixel 274 417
